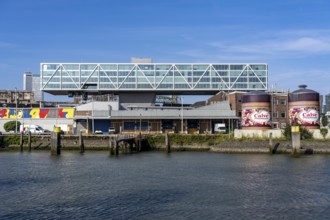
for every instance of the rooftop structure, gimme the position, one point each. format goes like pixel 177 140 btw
pixel 31 82
pixel 159 78
pixel 27 81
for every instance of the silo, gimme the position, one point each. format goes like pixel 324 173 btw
pixel 256 110
pixel 304 108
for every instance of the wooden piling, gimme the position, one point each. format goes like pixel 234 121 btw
pixel 116 148
pixel 29 141
pixel 21 142
pixel 81 143
pixel 112 146
pixel 167 143
pixel 271 142
pixel 55 143
pixel 139 148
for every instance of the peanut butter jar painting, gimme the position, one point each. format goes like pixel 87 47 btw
pixel 305 116
pixel 256 118
pixel 256 110
pixel 304 108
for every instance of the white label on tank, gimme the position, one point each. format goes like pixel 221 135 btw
pixel 309 116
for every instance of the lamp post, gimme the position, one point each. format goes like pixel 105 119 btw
pixel 16 113
pixel 181 115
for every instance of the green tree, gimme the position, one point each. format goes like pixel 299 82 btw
pixel 287 131
pixel 324 120
pixel 324 132
pixel 304 132
pixel 11 125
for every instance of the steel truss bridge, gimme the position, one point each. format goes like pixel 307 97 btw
pixel 160 78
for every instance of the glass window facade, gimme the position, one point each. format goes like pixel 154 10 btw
pixel 190 77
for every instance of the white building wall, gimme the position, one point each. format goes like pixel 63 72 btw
pixel 38 94
pixel 44 123
pixel 27 81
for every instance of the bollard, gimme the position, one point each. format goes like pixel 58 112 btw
pixel 55 143
pixel 81 143
pixel 117 149
pixel 167 143
pixel 295 133
pixel 21 142
pixel 111 146
pixel 29 141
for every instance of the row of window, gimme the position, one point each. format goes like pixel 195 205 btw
pixel 148 86
pixel 157 80
pixel 156 73
pixel 255 67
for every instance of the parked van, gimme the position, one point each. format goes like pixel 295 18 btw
pixel 35 129
pixel 220 128
pixel 112 130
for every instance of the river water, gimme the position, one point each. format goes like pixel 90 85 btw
pixel 181 185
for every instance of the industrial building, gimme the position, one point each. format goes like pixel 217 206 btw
pixel 31 83
pixel 278 105
pixel 16 98
pixel 166 78
pixel 134 87
pixel 134 97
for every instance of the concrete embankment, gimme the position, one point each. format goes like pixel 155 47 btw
pixel 102 142
pixel 236 146
pixel 318 147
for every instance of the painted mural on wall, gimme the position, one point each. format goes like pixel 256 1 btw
pixel 305 116
pixel 256 117
pixel 37 113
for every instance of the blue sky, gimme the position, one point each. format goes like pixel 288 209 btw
pixel 292 36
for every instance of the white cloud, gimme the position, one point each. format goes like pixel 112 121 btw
pixel 6 44
pixel 290 79
pixel 308 44
pixel 4 65
pixel 301 43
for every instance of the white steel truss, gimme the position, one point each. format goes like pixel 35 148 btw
pixel 115 77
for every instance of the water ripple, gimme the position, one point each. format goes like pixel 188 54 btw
pixel 152 186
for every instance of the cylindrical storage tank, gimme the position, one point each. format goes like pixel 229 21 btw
pixel 304 108
pixel 256 110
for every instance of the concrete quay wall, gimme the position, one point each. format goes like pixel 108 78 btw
pixel 276 133
pixel 99 142
pixel 92 142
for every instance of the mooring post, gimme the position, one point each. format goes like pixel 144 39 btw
pixel 139 149
pixel 130 146
pixel 55 143
pixel 270 142
pixel 111 146
pixel 167 143
pixel 116 148
pixel 295 133
pixel 29 141
pixel 21 142
pixel 81 143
